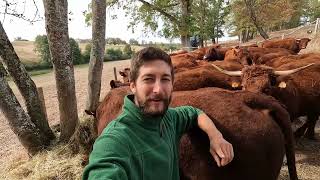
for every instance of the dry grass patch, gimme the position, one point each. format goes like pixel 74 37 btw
pixel 59 163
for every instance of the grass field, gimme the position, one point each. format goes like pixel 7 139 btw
pixel 25 50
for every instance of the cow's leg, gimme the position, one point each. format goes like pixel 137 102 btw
pixel 301 130
pixel 312 121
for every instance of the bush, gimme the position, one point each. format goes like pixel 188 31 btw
pixel 114 54
pixel 76 53
pixel 86 53
pixel 42 48
pixel 127 51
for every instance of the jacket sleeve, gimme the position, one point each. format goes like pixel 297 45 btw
pixel 186 118
pixel 109 159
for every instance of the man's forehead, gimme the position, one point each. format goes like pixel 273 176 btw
pixel 155 67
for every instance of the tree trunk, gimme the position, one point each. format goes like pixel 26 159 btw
pixel 262 32
pixel 253 16
pixel 184 25
pixel 20 123
pixel 26 87
pixel 56 19
pixel 97 53
pixel 185 41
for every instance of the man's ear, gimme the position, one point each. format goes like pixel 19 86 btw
pixel 133 87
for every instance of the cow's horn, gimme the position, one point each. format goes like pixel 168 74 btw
pixel 230 73
pixel 288 72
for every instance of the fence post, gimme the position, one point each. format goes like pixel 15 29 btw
pixel 115 73
pixel 316 28
pixel 43 104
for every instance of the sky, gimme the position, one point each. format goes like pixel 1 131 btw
pixel 15 27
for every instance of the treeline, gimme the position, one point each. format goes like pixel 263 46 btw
pixel 209 19
pixel 78 56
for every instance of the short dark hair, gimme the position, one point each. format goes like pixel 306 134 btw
pixel 146 55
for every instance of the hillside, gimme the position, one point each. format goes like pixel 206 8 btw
pixel 25 50
pixel 298 32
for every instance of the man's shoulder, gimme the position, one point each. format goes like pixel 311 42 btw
pixel 116 127
pixel 115 136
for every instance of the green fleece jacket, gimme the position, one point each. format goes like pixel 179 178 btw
pixel 136 147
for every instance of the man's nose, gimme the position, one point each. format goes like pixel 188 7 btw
pixel 157 87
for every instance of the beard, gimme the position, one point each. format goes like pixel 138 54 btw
pixel 154 106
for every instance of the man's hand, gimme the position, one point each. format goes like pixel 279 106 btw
pixel 221 150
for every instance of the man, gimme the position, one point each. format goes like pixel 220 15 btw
pixel 143 142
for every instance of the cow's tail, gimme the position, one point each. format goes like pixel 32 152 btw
pixel 282 118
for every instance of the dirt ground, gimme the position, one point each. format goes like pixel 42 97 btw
pixel 10 146
pixel 308 152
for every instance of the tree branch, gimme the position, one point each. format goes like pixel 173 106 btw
pixel 173 19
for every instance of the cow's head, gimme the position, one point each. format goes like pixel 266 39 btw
pixel 125 74
pixel 211 53
pixel 243 56
pixel 260 78
pixel 303 43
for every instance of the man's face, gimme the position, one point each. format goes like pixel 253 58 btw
pixel 153 88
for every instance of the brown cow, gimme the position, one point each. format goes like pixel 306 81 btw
pixel 183 61
pixel 255 55
pixel 203 76
pixel 298 89
pixel 215 53
pixel 181 51
pixel 257 126
pixel 198 77
pixel 125 74
pixel 293 59
pixel 292 44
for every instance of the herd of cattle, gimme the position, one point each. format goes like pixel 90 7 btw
pixel 251 93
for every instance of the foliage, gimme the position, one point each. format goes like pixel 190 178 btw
pixel 86 53
pixel 115 41
pixel 133 42
pixel 76 53
pixel 42 49
pixel 127 51
pixel 114 54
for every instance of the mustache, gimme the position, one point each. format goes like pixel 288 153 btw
pixel 156 98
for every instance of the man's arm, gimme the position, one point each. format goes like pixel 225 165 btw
pixel 109 159
pixel 220 149
pixel 188 117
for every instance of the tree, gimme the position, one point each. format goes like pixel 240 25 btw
pixel 86 53
pixel 75 51
pixel 127 51
pixel 56 21
pixel 97 54
pixel 32 129
pixel 42 49
pixel 209 17
pixel 262 14
pixel 133 42
pixel 175 15
pixel 20 123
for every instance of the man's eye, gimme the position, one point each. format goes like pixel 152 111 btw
pixel 147 79
pixel 166 79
